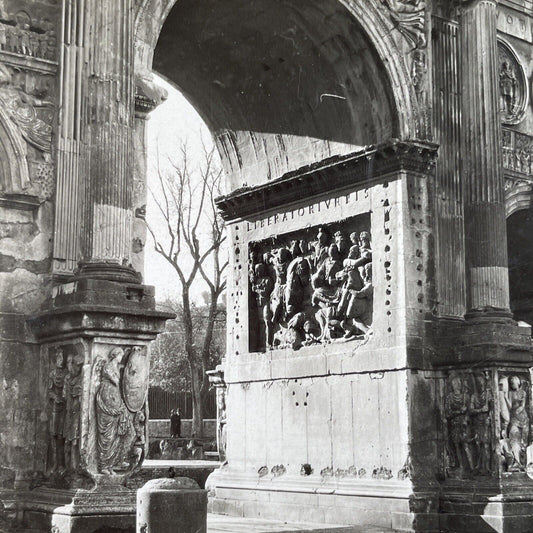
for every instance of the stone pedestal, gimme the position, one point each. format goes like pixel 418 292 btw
pixel 329 418
pixel 94 339
pixel 171 505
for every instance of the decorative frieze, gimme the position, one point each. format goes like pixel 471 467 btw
pixel 27 35
pixel 517 152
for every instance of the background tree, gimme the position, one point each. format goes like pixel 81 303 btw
pixel 189 233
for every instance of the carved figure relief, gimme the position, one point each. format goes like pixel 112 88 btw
pixel 409 17
pixel 513 85
pixel 311 286
pixel 56 410
pixel 221 422
pixel 474 436
pixel 21 107
pixel 28 111
pixel 517 152
pixel 122 380
pixel 515 416
pixel 72 392
pixel 19 34
pixel 459 428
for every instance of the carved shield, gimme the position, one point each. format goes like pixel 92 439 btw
pixel 135 379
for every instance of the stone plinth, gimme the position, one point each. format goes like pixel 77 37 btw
pixel 94 339
pixel 170 505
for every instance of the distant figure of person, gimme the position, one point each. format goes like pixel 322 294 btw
pixel 175 423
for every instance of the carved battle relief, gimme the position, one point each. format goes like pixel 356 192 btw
pixel 121 384
pixel 512 84
pixel 311 286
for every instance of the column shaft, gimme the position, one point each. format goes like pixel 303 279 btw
pixel 109 116
pixel 485 225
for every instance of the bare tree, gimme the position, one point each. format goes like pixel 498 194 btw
pixel 191 242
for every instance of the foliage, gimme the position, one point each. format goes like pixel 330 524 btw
pixel 169 367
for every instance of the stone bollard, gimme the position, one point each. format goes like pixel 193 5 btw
pixel 172 505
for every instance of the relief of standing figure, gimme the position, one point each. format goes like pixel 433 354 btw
pixel 456 412
pixel 111 416
pixel 519 421
pixel 72 392
pixel 480 412
pixel 57 412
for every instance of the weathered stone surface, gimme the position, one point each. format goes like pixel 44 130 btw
pixel 394 429
pixel 165 505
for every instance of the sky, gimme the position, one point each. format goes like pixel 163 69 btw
pixel 173 122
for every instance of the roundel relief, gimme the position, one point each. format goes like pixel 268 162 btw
pixel 514 92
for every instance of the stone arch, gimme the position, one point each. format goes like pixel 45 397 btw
pixel 307 135
pixel 520 256
pixel 14 175
pixel 518 196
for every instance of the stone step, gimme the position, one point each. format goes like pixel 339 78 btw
pixel 232 524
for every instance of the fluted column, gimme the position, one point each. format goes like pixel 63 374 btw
pixel 485 226
pixel 109 126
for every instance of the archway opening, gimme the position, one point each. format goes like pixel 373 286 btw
pixel 520 253
pixel 279 86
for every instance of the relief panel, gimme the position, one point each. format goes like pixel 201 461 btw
pixel 486 423
pixel 311 286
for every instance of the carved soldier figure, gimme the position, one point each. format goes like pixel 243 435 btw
pixel 281 263
pixel 321 248
pixel 508 85
pixel 57 411
pixel 480 409
pixel 221 423
pixel 72 393
pixel 359 312
pixel 327 289
pixel 352 282
pixel 298 278
pixel 342 244
pixel 456 412
pixel 3 36
pixel 263 285
pixel 505 406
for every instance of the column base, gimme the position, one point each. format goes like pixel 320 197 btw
pixel 503 506
pixel 109 271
